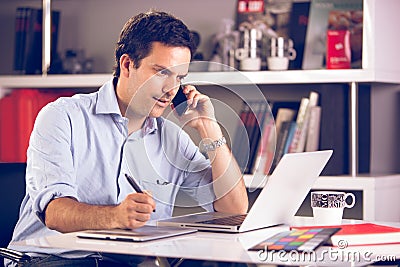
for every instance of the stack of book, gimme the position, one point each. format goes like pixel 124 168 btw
pixel 264 135
pixel 253 116
pixel 364 233
pixel 28 39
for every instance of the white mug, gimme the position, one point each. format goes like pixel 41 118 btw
pixel 328 206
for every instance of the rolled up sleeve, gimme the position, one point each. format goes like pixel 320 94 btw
pixel 50 172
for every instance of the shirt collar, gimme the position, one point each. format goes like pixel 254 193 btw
pixel 150 126
pixel 107 100
pixel 107 104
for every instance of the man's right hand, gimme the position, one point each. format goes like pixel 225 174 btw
pixel 135 210
pixel 67 214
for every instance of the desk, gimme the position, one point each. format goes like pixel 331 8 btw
pixel 223 247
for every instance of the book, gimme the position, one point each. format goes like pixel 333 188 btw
pixel 366 234
pixel 313 101
pixel 289 138
pixel 54 57
pixel 249 11
pixel 254 132
pixel 299 123
pixel 248 134
pixel 361 234
pixel 283 114
pixel 277 16
pixel 277 105
pixel 241 144
pixel 264 156
pixel 28 43
pixel 261 110
pixel 285 134
pixel 280 111
pixel 297 31
pixel 21 15
pixel 315 44
pixel 302 121
pixel 32 58
pixel 312 142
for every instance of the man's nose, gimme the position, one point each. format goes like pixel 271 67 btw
pixel 171 87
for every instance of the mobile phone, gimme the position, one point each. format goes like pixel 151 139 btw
pixel 180 101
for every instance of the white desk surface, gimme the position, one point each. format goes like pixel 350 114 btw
pixel 224 247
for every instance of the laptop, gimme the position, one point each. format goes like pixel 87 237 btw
pixel 144 233
pixel 277 203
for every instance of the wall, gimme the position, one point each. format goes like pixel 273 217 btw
pixel 385 110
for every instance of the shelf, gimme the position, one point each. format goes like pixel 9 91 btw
pixel 220 78
pixel 292 77
pixel 54 81
pixel 361 182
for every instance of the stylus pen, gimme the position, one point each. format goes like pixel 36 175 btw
pixel 134 185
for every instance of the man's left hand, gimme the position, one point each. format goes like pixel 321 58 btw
pixel 200 108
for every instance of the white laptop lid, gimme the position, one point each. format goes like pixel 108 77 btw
pixel 286 189
pixel 277 203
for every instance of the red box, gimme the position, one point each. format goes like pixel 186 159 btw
pixel 8 129
pixel 18 112
pixel 338 51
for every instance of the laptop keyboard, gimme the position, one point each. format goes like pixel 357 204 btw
pixel 230 220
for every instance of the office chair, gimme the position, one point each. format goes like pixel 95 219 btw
pixel 14 255
pixel 12 191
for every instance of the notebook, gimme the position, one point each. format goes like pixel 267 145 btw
pixel 277 203
pixel 144 233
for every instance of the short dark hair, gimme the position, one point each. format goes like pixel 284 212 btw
pixel 140 31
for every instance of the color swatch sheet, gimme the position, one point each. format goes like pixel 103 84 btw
pixel 297 239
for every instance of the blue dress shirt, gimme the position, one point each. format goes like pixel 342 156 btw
pixel 80 148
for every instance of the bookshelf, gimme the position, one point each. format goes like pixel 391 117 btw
pixel 379 71
pixel 383 90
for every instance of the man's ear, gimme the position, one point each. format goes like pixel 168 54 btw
pixel 125 64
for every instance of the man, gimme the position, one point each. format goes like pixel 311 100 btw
pixel 82 147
